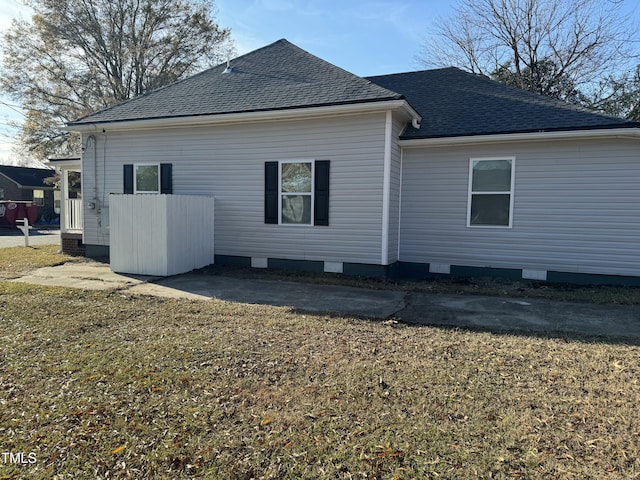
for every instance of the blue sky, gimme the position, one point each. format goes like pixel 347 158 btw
pixel 364 37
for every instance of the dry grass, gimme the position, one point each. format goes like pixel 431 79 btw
pixel 17 261
pixel 105 385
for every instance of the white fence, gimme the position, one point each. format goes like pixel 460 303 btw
pixel 160 234
pixel 72 215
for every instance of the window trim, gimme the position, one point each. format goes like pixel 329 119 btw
pixel 135 179
pixel 57 201
pixel 511 191
pixel 39 201
pixel 310 194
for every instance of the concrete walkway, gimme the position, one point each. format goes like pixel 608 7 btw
pixel 538 316
pixel 91 275
pixel 523 315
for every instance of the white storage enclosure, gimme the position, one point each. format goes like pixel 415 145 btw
pixel 160 234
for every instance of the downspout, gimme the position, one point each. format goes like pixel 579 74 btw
pixel 95 166
pixel 386 188
pixel 95 176
pixel 93 204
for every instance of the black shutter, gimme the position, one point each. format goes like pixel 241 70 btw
pixel 321 193
pixel 166 180
pixel 271 192
pixel 127 175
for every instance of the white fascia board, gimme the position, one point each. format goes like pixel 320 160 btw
pixel 633 133
pixel 243 117
pixel 66 164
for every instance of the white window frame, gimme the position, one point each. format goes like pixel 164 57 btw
pixel 57 200
pixel 511 192
pixel 135 178
pixel 310 194
pixel 39 201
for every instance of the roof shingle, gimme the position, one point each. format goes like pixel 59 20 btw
pixel 456 103
pixel 283 76
pixel 276 77
pixel 27 177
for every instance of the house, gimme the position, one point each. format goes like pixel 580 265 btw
pixel 437 172
pixel 22 184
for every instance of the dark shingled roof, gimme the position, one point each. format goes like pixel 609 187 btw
pixel 282 76
pixel 27 177
pixel 456 103
pixel 276 77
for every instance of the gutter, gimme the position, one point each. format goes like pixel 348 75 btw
pixel 242 117
pixel 629 133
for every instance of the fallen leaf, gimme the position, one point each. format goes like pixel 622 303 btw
pixel 117 450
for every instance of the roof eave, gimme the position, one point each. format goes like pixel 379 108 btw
pixel 65 163
pixel 242 117
pixel 10 179
pixel 629 133
pixel 25 186
pixel 37 187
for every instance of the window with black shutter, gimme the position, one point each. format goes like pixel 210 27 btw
pixel 297 192
pixel 147 178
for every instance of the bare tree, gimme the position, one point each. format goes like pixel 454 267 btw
pixel 554 47
pixel 621 97
pixel 77 56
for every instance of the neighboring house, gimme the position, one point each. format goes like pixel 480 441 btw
pixel 421 173
pixel 22 184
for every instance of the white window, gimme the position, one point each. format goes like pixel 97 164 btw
pixel 1 193
pixel 296 192
pixel 490 201
pixel 38 197
pixel 56 201
pixel 146 178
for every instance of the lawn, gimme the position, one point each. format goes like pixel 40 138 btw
pixel 101 385
pixel 16 261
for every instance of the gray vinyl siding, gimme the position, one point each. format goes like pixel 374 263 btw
pixel 95 221
pixel 227 162
pixel 394 203
pixel 576 208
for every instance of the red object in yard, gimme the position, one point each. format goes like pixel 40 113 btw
pixel 12 211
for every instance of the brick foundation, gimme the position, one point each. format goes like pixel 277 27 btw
pixel 72 244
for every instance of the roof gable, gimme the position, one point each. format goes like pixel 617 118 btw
pixel 276 77
pixel 456 103
pixel 27 177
